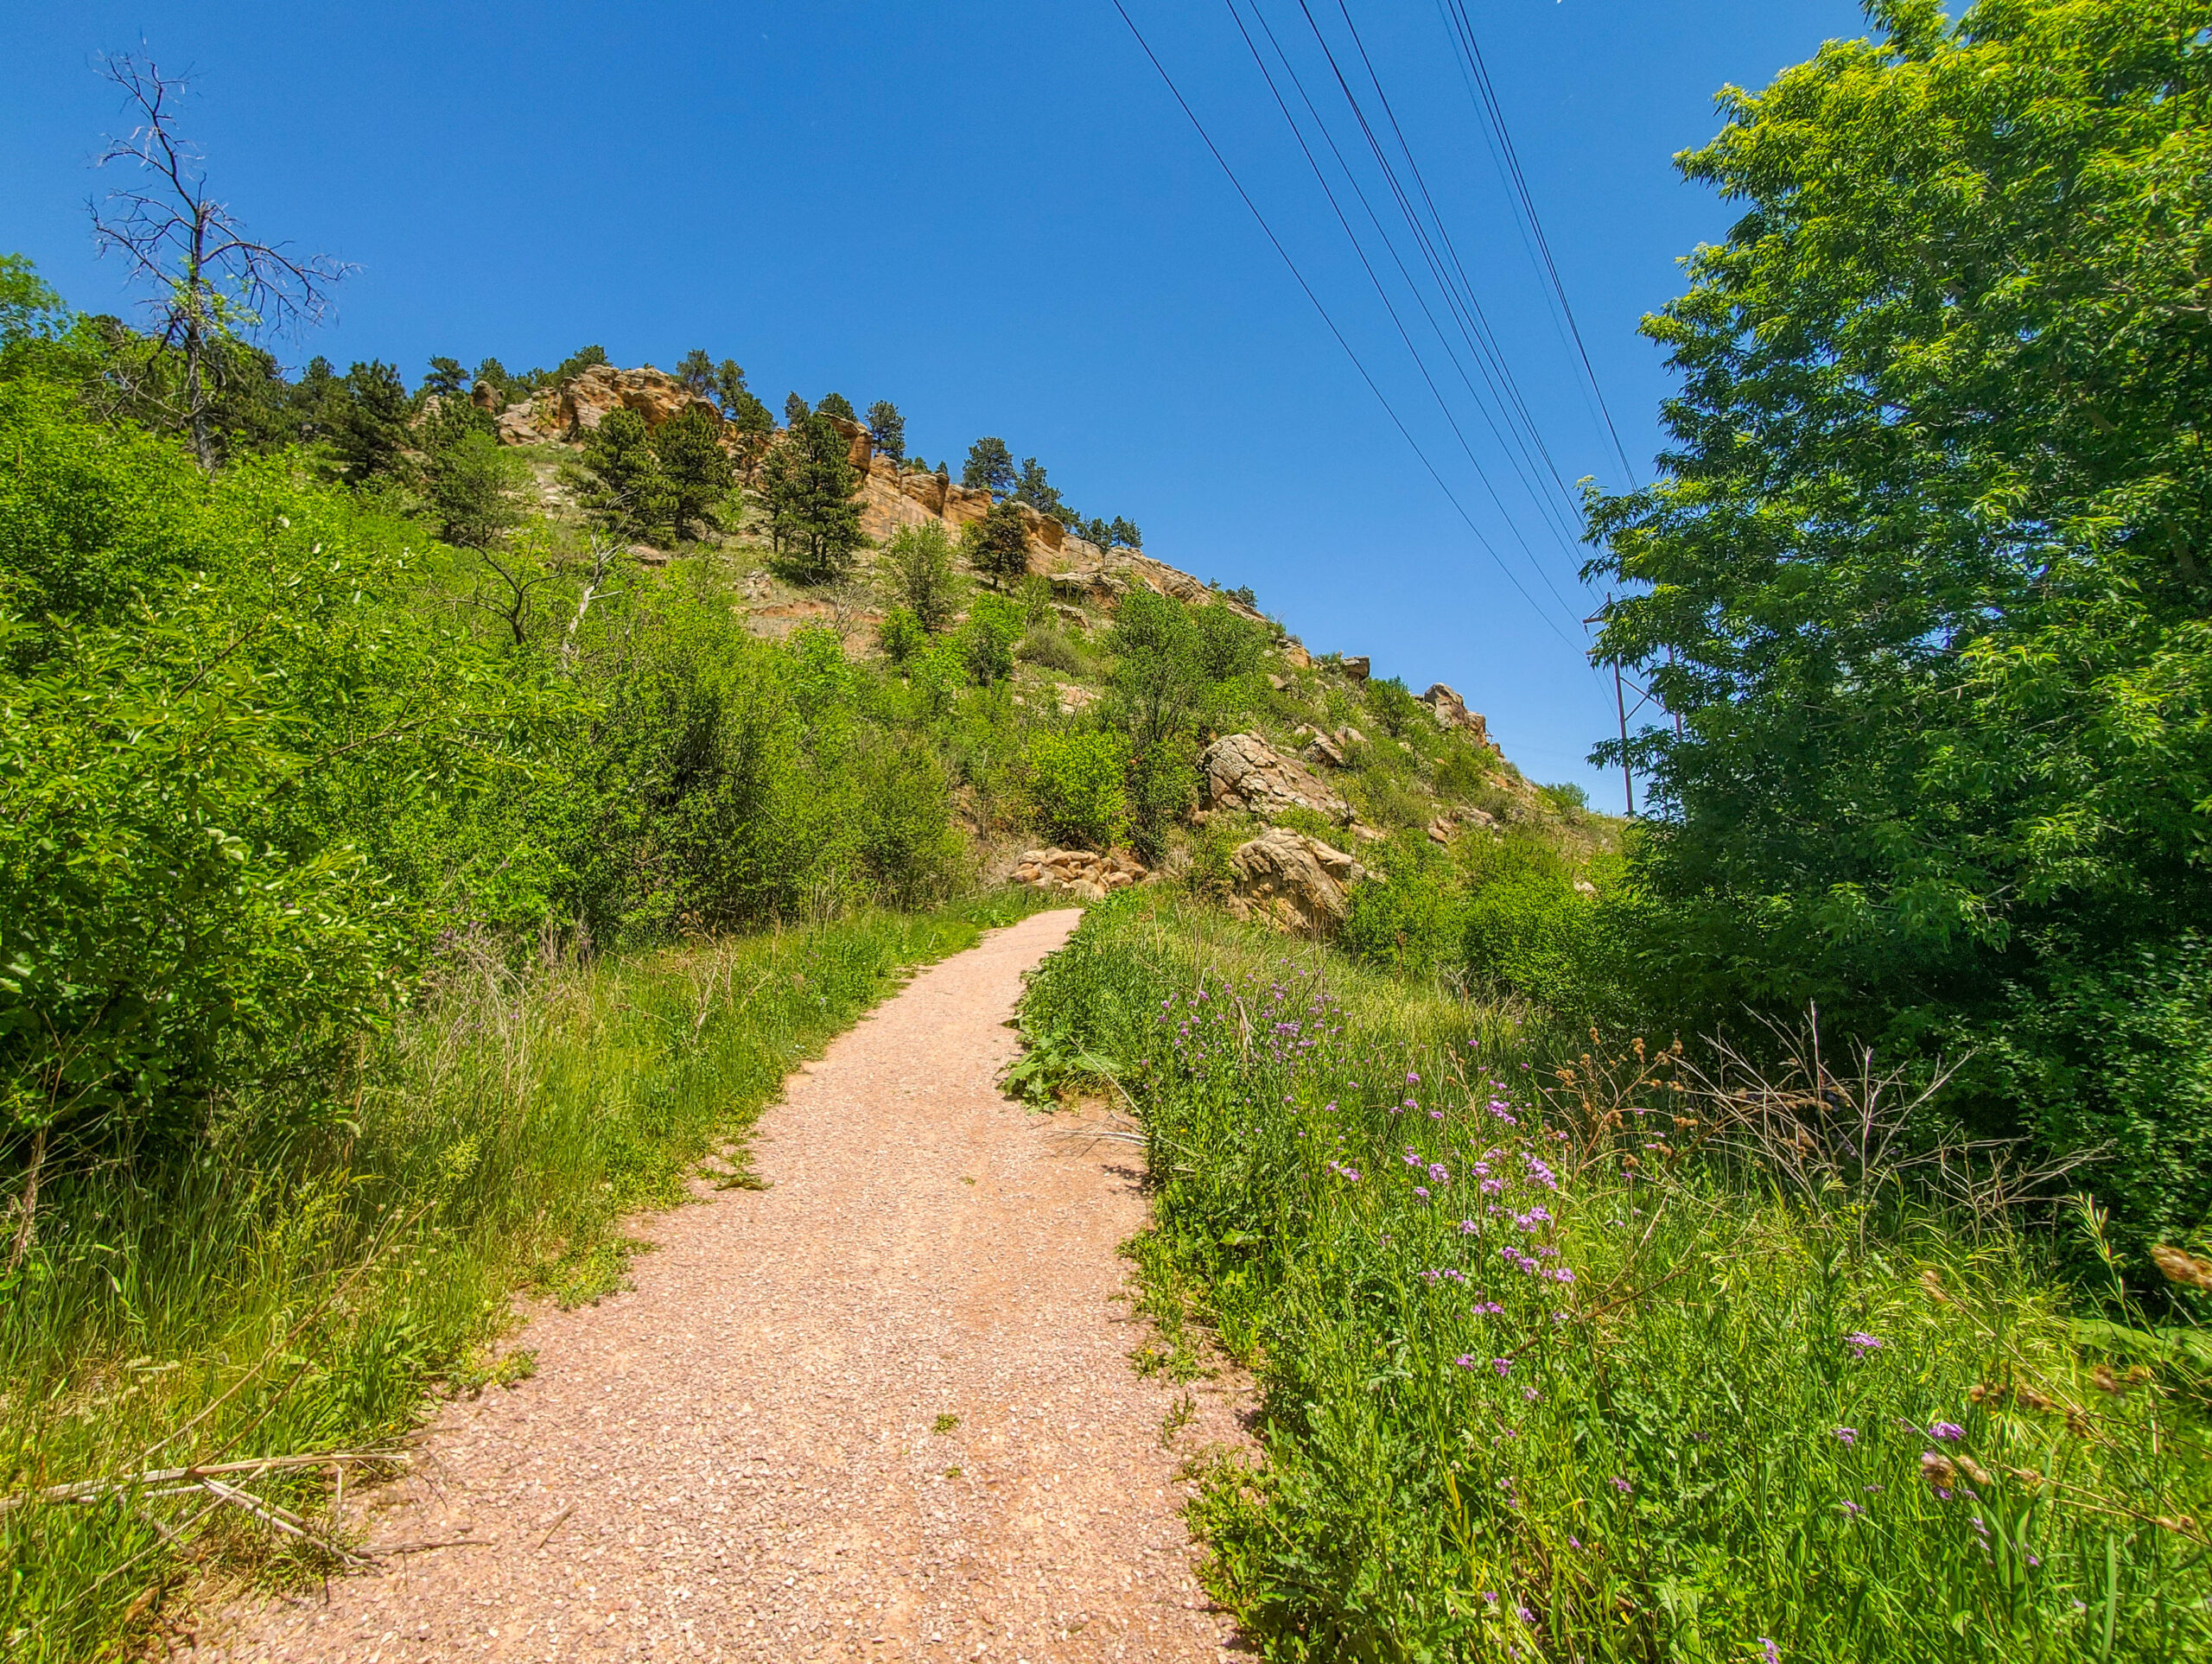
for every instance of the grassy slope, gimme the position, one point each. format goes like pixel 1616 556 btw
pixel 304 1299
pixel 1469 1455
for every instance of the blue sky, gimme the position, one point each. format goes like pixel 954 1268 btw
pixel 996 215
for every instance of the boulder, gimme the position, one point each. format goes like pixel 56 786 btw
pixel 925 488
pixel 485 398
pixel 1452 713
pixel 585 400
pixel 860 444
pixel 1078 873
pixel 1321 749
pixel 1355 666
pixel 1242 771
pixel 1295 655
pixel 1292 882
pixel 1042 529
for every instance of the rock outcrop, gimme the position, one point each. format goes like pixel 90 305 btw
pixel 1078 872
pixel 1355 666
pixel 1292 882
pixel 1451 711
pixel 581 403
pixel 1242 771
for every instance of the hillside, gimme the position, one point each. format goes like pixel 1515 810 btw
pixel 1335 764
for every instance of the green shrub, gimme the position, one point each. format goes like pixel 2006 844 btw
pixel 986 639
pixel 907 846
pixel 1076 792
pixel 902 635
pixel 918 571
pixel 1535 936
pixel 1462 772
pixel 1410 918
pixel 1539 1383
pixel 1045 645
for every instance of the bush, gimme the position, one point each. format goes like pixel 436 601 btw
pixel 1043 644
pixel 1410 918
pixel 1076 793
pixel 986 641
pixel 918 571
pixel 907 846
pixel 902 636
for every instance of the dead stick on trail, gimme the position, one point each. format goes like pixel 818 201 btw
pixel 547 1536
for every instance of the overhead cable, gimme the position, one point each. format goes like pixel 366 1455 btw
pixel 1300 277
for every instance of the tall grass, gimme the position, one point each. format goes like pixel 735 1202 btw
pixel 1543 1380
pixel 303 1294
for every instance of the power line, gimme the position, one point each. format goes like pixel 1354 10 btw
pixel 1359 251
pixel 1488 103
pixel 1268 232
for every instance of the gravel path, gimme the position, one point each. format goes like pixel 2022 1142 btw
pixel 881 1410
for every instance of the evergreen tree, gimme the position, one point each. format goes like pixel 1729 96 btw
pixel 621 481
pixel 576 363
pixel 888 428
pixel 1124 534
pixel 836 404
pixel 370 430
pixel 494 372
pixel 813 521
pixel 755 427
pixel 990 467
pixel 698 470
pixel 730 390
pixel 796 409
pixel 696 371
pixel 1034 489
pixel 997 546
pixel 447 378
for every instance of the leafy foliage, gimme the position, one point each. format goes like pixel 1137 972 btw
pixel 1926 575
pixel 1076 790
pixel 918 571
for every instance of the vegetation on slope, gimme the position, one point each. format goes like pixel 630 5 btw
pixel 1599 1357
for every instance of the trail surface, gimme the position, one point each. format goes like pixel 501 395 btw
pixel 746 1456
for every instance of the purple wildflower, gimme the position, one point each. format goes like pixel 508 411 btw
pixel 1465 1360
pixel 1846 1436
pixel 1950 1430
pixel 1861 1345
pixel 1503 1366
pixel 1620 1485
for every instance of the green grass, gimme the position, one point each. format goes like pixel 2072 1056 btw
pixel 272 1296
pixel 1683 1453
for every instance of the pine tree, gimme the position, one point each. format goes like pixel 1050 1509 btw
pixel 888 428
pixel 370 430
pixel 997 545
pixel 836 404
pixel 796 409
pixel 812 518
pixel 622 484
pixel 445 378
pixel 696 371
pixel 730 390
pixel 698 470
pixel 990 467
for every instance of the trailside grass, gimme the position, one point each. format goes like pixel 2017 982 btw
pixel 1543 1382
pixel 302 1294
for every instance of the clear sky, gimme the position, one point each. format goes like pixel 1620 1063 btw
pixel 996 215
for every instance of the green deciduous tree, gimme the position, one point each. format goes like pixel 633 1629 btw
pixel 918 571
pixel 475 490
pixel 1927 571
pixel 990 467
pixel 808 489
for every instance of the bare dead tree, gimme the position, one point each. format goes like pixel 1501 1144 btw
pixel 213 282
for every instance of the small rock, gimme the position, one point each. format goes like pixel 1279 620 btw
pixel 1355 666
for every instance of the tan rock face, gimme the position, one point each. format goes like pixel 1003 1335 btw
pixel 1451 711
pixel 860 444
pixel 1078 873
pixel 580 404
pixel 1355 666
pixel 1242 771
pixel 1290 880
pixel 1296 657
pixel 485 397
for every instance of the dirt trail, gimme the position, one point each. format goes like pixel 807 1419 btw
pixel 740 1457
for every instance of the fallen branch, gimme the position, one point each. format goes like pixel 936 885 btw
pixel 86 1490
